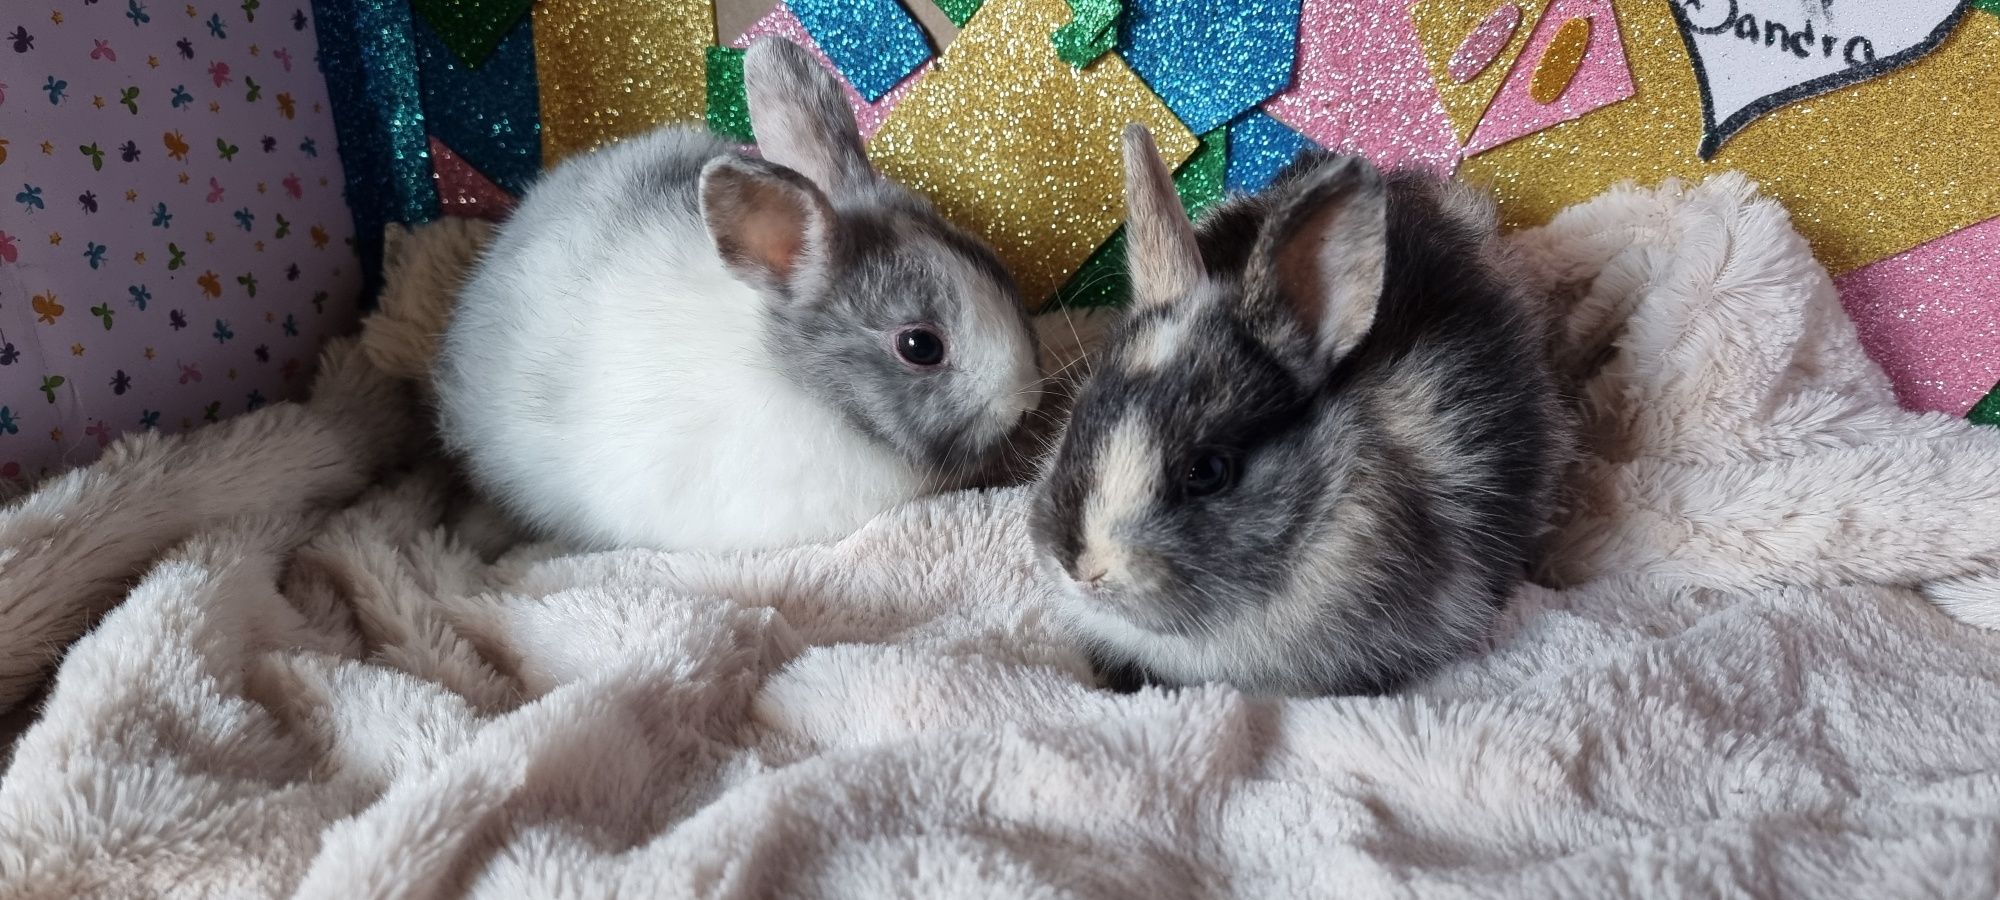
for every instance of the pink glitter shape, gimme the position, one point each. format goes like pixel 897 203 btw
pixel 868 116
pixel 1484 43
pixel 464 190
pixel 1931 317
pixel 1362 86
pixel 1601 80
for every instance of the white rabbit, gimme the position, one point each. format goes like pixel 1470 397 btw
pixel 673 345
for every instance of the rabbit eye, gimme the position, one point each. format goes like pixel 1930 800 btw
pixel 920 346
pixel 1209 473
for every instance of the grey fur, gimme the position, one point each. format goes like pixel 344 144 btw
pixel 1162 256
pixel 1390 495
pixel 889 260
pixel 798 122
pixel 899 263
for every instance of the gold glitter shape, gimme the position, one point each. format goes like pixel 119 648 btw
pixel 1011 142
pixel 612 68
pixel 1441 26
pixel 1867 171
pixel 1559 62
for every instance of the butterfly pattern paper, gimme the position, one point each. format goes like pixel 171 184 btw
pixel 157 156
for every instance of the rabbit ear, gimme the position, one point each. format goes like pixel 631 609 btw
pixel 801 118
pixel 1161 251
pixel 1320 258
pixel 770 225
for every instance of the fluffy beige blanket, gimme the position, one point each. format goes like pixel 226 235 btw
pixel 307 672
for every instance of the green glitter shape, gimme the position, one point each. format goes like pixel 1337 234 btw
pixel 1992 6
pixel 1092 31
pixel 1102 279
pixel 1987 411
pixel 471 29
pixel 728 108
pixel 960 11
pixel 1200 180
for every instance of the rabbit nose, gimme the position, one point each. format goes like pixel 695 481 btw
pixel 1091 568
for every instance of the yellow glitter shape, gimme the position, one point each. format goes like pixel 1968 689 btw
pixel 613 68
pixel 1011 142
pixel 1867 171
pixel 1559 62
pixel 1442 25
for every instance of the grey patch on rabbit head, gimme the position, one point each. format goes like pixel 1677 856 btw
pixel 885 259
pixel 1365 540
pixel 898 264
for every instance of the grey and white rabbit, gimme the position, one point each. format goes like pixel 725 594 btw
pixel 673 345
pixel 1319 453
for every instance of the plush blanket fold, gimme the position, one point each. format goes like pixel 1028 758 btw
pixel 294 663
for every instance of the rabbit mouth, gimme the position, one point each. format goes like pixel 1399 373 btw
pixel 1114 602
pixel 1133 607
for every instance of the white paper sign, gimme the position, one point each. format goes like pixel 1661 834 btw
pixel 1753 56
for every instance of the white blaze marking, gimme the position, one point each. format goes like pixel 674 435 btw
pixel 1126 473
pixel 1156 347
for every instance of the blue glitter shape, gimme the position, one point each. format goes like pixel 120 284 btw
pixel 490 115
pixel 874 43
pixel 1210 60
pixel 1260 147
pixel 370 63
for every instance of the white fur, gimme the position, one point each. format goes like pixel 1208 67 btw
pixel 998 368
pixel 611 383
pixel 1123 490
pixel 1739 695
pixel 1153 349
pixel 1157 347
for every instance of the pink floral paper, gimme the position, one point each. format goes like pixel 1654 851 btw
pixel 173 241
